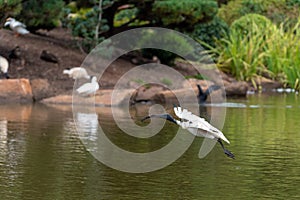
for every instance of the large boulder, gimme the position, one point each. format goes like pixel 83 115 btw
pixel 175 96
pixel 238 88
pixel 267 84
pixel 145 93
pixel 15 90
pixel 40 89
pixel 194 82
pixel 234 87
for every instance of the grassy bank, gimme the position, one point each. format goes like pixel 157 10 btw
pixel 261 49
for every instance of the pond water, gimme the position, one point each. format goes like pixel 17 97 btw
pixel 41 156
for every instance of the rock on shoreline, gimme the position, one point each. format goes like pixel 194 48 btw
pixel 28 91
pixel 15 90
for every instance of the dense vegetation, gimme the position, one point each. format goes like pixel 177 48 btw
pixel 263 40
pixel 248 38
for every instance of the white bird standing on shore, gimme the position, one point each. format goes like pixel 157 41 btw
pixel 88 88
pixel 77 73
pixel 196 125
pixel 4 65
pixel 18 27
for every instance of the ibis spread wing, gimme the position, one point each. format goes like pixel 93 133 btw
pixel 197 122
pixel 18 24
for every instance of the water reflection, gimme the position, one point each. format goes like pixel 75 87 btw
pixel 87 123
pixel 3 131
pixel 41 156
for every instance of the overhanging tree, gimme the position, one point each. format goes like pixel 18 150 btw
pixel 121 15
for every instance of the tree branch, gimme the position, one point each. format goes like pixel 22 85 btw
pixel 99 21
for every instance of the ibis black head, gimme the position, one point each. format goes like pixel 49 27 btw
pixel 163 116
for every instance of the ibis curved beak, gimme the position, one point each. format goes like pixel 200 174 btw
pixel 163 116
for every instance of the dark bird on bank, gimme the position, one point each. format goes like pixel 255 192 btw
pixel 202 96
pixel 15 53
pixel 48 57
pixel 195 125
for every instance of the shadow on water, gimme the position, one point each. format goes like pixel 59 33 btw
pixel 41 156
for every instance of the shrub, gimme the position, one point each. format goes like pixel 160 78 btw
pixel 9 8
pixel 169 40
pixel 209 31
pixel 282 55
pixel 189 11
pixel 239 55
pixel 83 25
pixel 267 51
pixel 230 12
pixel 244 25
pixel 276 10
pixel 38 14
pixel 124 15
pixel 293 2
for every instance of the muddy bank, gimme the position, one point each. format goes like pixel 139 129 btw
pixel 45 79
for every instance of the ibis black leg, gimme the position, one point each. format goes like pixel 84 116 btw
pixel 6 75
pixel 227 152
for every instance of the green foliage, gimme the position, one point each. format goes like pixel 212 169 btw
pixel 244 25
pixel 84 20
pixel 282 52
pixel 240 55
pixel 119 16
pixel 209 31
pixel 83 25
pixel 197 76
pixel 293 2
pixel 166 82
pixel 125 16
pixel 276 10
pixel 9 8
pixel 139 81
pixel 267 51
pixel 169 40
pixel 230 12
pixel 189 11
pixel 38 14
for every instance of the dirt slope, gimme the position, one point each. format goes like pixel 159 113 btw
pixel 58 42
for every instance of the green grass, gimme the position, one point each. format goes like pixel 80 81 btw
pixel 273 51
pixel 197 76
pixel 166 81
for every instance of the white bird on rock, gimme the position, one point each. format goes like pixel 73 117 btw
pixel 77 73
pixel 196 125
pixel 4 65
pixel 18 27
pixel 88 88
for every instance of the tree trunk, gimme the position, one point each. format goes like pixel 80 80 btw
pixel 99 21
